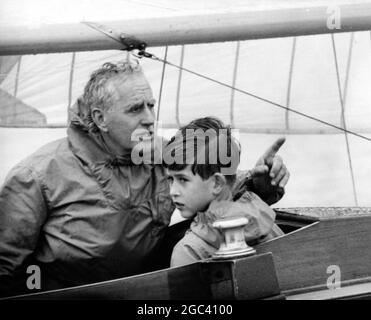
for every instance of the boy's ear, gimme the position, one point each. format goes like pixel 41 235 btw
pixel 99 119
pixel 219 183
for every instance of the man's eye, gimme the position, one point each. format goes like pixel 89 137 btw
pixel 182 180
pixel 151 105
pixel 136 109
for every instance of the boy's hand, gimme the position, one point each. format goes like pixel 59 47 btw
pixel 270 175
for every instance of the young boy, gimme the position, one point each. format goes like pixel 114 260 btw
pixel 202 160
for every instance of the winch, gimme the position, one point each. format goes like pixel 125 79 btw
pixel 233 240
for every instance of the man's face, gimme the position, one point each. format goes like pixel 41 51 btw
pixel 131 116
pixel 189 192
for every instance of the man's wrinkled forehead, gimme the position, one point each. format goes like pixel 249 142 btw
pixel 134 87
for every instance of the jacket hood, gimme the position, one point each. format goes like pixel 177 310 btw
pixel 79 116
pixel 85 139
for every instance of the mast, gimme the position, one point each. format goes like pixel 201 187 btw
pixel 278 19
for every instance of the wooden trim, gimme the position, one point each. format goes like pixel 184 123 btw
pixel 302 257
pixel 354 291
pixel 245 278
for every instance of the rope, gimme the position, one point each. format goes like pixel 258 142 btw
pixel 342 104
pixel 153 57
pixel 161 84
pixel 290 81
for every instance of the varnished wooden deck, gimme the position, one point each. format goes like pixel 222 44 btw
pixel 296 265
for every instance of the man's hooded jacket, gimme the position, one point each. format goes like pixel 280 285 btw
pixel 80 213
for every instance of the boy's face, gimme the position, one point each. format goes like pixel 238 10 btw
pixel 189 192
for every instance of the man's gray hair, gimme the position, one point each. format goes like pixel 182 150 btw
pixel 96 93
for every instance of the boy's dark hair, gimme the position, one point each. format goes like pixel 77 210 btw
pixel 204 170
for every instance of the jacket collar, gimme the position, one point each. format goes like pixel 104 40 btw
pixel 86 141
pixel 90 148
pixel 202 224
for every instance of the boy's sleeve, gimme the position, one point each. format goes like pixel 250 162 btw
pixel 22 214
pixel 190 249
pixel 182 255
pixel 261 218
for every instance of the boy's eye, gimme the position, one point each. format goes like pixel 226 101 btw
pixel 170 179
pixel 182 180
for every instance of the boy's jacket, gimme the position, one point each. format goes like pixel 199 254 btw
pixel 202 240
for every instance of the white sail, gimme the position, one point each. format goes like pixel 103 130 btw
pixel 297 72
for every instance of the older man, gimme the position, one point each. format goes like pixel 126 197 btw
pixel 79 209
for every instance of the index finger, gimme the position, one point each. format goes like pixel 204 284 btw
pixel 273 149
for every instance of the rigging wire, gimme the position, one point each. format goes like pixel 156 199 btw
pixel 178 88
pixel 349 62
pixel 72 69
pixel 16 84
pixel 181 68
pixel 161 84
pixel 152 5
pixel 236 59
pixel 342 104
pixel 288 96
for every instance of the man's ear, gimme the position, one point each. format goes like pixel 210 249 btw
pixel 219 182
pixel 99 119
